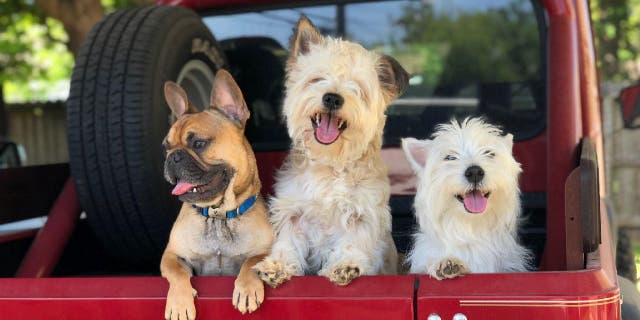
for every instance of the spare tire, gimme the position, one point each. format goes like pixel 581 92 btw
pixel 117 118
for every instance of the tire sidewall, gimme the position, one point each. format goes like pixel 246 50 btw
pixel 182 42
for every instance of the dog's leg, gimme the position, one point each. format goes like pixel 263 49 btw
pixel 425 253
pixel 393 263
pixel 248 291
pixel 449 268
pixel 180 297
pixel 355 254
pixel 347 263
pixel 281 264
pixel 287 255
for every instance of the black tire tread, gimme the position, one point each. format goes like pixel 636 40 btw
pixel 107 114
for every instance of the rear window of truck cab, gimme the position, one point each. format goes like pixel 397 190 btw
pixel 466 58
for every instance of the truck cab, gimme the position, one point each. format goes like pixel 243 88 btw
pixel 528 66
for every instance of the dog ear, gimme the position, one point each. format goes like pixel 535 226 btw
pixel 509 138
pixel 177 99
pixel 304 35
pixel 227 97
pixel 392 76
pixel 416 152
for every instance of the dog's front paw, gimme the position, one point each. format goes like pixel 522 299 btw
pixel 180 304
pixel 450 268
pixel 248 293
pixel 272 272
pixel 343 274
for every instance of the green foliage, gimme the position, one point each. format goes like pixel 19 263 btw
pixel 35 63
pixel 616 27
pixel 492 45
pixel 33 54
pixel 113 5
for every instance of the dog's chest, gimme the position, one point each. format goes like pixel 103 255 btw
pixel 339 193
pixel 328 198
pixel 217 248
pixel 330 203
pixel 217 265
pixel 321 186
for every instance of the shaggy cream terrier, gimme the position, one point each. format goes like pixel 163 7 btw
pixel 467 201
pixel 330 210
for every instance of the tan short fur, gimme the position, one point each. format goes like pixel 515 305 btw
pixel 215 245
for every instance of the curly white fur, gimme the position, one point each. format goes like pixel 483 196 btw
pixel 484 242
pixel 330 208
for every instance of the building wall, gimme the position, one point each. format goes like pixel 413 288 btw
pixel 41 129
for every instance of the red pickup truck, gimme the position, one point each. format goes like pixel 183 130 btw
pixel 528 66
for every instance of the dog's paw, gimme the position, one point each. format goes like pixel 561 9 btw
pixel 450 268
pixel 248 294
pixel 273 273
pixel 180 304
pixel 343 274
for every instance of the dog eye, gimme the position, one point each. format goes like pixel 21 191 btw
pixel 489 154
pixel 450 158
pixel 198 145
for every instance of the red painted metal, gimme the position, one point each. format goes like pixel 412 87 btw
pixel 379 297
pixel 589 88
pixel 563 123
pixel 593 293
pixel 402 179
pixel 627 98
pixel 530 154
pixel 585 294
pixel 209 5
pixel 18 235
pixel 47 247
pixel 268 164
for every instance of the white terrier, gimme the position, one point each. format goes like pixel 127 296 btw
pixel 330 211
pixel 467 201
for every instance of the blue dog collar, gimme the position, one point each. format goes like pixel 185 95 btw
pixel 244 207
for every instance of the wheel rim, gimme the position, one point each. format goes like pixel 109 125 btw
pixel 196 78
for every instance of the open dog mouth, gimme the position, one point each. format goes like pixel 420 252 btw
pixel 327 127
pixel 183 187
pixel 192 192
pixel 474 201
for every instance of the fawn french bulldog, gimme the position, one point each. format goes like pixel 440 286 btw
pixel 223 227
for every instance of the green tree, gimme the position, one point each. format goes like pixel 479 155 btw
pixel 616 26
pixel 476 46
pixel 31 47
pixel 38 41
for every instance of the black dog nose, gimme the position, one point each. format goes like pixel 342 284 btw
pixel 177 156
pixel 474 174
pixel 332 101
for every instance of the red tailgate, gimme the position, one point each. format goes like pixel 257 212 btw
pixel 376 297
pixel 585 294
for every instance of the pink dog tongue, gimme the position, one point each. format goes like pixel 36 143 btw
pixel 327 131
pixel 182 188
pixel 475 202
